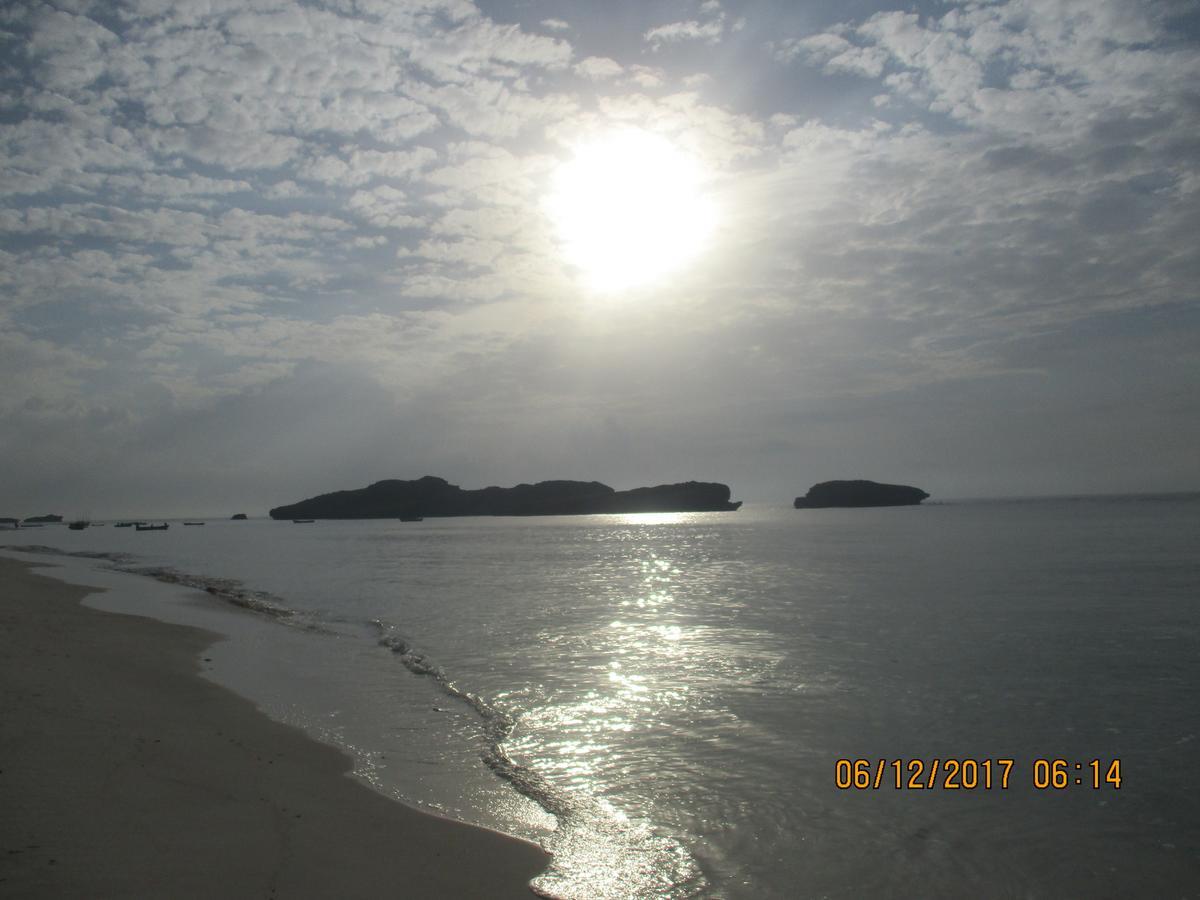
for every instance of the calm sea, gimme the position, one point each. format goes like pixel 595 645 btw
pixel 663 700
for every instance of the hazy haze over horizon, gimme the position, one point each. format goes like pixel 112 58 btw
pixel 256 251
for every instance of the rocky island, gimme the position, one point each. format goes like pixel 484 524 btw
pixel 829 494
pixel 432 496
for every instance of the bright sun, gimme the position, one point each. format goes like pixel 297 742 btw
pixel 629 209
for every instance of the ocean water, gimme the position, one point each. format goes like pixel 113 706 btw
pixel 662 700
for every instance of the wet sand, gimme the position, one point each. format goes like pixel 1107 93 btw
pixel 123 773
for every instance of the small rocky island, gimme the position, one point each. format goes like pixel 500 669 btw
pixel 432 496
pixel 829 494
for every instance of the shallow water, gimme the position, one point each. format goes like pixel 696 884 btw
pixel 663 699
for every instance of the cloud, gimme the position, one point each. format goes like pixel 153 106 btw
pixel 834 53
pixel 708 30
pixel 599 68
pixel 351 167
pixel 647 77
pixel 691 30
pixel 384 207
pixel 716 134
pixel 473 253
pixel 493 108
pixel 1016 66
pixel 41 379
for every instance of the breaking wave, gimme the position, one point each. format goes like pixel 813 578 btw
pixel 225 589
pixel 596 852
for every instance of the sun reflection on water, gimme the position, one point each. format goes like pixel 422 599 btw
pixel 633 689
pixel 656 518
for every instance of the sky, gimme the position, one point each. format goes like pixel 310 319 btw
pixel 254 250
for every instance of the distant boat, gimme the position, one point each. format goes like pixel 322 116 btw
pixel 126 524
pixel 303 521
pixel 140 527
pixel 79 526
pixel 193 523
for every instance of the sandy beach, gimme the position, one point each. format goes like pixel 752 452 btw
pixel 123 773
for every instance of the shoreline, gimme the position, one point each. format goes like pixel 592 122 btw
pixel 125 773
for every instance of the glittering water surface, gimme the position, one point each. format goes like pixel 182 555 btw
pixel 662 699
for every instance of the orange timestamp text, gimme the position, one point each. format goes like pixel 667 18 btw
pixel 954 774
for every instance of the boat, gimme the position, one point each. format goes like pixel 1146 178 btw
pixel 124 525
pixel 79 525
pixel 140 527
pixel 193 523
pixel 303 521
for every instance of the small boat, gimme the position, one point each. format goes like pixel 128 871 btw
pixel 78 526
pixel 303 521
pixel 124 525
pixel 193 523
pixel 140 527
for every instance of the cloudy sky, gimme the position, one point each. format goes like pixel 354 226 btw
pixel 254 250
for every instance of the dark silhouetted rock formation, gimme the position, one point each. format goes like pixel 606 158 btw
pixel 46 518
pixel 431 496
pixel 859 493
pixel 238 517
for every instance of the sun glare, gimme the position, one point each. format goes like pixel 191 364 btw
pixel 630 209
